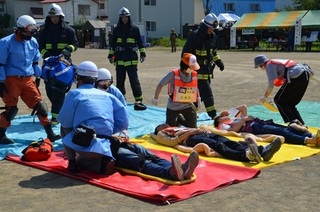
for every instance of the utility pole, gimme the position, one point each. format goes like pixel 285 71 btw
pixel 73 15
pixel 181 29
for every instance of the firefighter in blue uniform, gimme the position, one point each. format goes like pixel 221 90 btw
pixel 203 43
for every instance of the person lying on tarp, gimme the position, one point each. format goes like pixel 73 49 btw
pixel 240 151
pixel 89 117
pixel 294 133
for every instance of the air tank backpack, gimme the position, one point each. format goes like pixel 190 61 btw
pixel 58 70
pixel 37 151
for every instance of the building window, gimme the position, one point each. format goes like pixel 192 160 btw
pixel 36 12
pixel 1 6
pixel 150 2
pixel 229 7
pixel 84 10
pixel 101 6
pixel 255 8
pixel 151 26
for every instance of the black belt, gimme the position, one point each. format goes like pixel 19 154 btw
pixel 23 76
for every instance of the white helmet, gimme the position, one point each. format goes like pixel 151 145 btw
pixel 104 74
pixel 211 21
pixel 124 12
pixel 87 69
pixel 55 9
pixel 27 23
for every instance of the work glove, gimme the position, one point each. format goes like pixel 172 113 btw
pixel 262 99
pixel 111 60
pixel 154 101
pixel 66 52
pixel 3 89
pixel 37 82
pixel 220 64
pixel 199 102
pixel 142 58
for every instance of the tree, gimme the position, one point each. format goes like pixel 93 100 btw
pixel 306 4
pixel 4 22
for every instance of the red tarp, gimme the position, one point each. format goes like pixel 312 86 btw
pixel 210 176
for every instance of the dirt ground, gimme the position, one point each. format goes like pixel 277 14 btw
pixel 286 187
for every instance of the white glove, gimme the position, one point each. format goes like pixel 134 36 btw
pixel 199 103
pixel 263 99
pixel 154 101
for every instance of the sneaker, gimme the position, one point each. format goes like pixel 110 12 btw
pixel 54 121
pixel 271 149
pixel 252 153
pixel 5 140
pixel 190 165
pixel 139 106
pixel 176 169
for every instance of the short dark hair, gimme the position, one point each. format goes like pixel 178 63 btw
pixel 216 121
pixel 156 130
pixel 183 66
pixel 87 80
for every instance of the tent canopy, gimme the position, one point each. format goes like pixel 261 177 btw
pixel 269 20
pixel 228 17
pixel 311 18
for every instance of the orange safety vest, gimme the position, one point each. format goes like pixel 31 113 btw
pixel 184 91
pixel 285 63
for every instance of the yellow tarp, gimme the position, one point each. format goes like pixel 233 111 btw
pixel 288 152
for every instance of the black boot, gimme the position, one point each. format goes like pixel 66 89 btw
pixel 50 134
pixel 3 138
pixel 72 167
pixel 138 105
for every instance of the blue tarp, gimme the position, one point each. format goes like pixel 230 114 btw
pixel 23 130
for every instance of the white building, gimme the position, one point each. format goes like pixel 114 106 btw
pixel 159 15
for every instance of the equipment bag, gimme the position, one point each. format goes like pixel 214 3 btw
pixel 58 69
pixel 37 151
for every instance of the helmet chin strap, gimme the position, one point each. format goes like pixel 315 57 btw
pixel 20 36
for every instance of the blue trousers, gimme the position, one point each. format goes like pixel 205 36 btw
pixel 291 135
pixel 136 157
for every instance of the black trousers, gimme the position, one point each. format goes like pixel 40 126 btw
pixel 206 95
pixel 132 71
pixel 189 114
pixel 289 96
pixel 56 94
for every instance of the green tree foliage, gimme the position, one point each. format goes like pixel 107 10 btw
pixel 5 21
pixel 306 4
